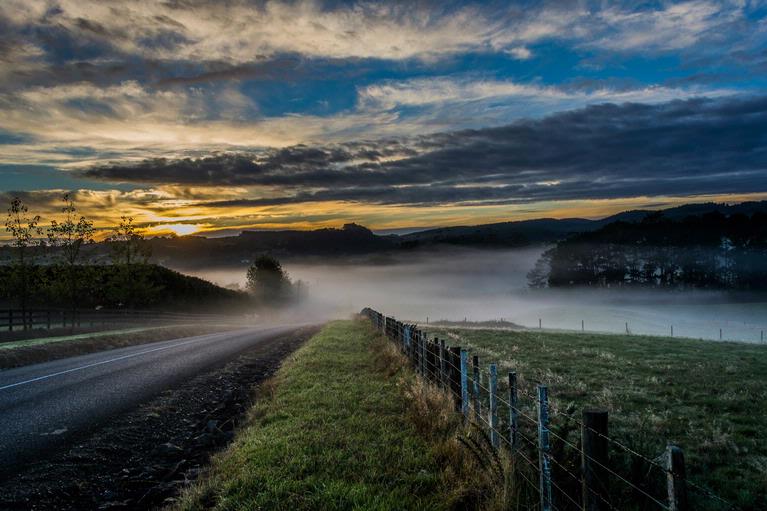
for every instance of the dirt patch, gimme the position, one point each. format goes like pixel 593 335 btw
pixel 142 459
pixel 35 354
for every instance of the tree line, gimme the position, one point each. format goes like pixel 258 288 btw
pixel 48 268
pixel 67 279
pixel 710 251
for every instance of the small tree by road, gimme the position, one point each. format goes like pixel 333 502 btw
pixel 131 284
pixel 68 236
pixel 268 281
pixel 23 230
pixel 128 244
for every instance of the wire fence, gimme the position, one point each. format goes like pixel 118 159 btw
pixel 566 462
pixel 697 328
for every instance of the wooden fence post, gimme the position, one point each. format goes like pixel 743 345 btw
pixel 48 318
pixel 465 383
pixel 493 387
pixel 513 425
pixel 676 479
pixel 594 460
pixel 414 336
pixel 416 347
pixel 407 341
pixel 10 320
pixel 422 354
pixel 475 386
pixel 435 361
pixel 544 449
pixel 455 375
pixel 442 356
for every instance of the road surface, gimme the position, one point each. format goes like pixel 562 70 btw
pixel 43 405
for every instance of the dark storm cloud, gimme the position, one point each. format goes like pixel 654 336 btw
pixel 688 147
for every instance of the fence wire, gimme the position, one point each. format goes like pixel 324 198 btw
pixel 439 366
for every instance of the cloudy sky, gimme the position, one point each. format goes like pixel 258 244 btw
pixel 216 116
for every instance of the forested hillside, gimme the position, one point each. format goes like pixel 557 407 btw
pixel 138 286
pixel 710 251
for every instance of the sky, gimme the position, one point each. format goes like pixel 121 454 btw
pixel 210 117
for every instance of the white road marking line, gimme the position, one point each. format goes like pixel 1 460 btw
pixel 102 362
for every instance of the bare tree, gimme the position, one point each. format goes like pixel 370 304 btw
pixel 131 282
pixel 68 236
pixel 23 230
pixel 128 244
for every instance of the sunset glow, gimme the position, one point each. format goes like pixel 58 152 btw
pixel 304 115
pixel 177 229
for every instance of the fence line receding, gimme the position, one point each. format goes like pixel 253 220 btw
pixel 559 473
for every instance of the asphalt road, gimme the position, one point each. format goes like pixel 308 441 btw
pixel 43 405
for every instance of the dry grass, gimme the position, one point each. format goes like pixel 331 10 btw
pixel 478 476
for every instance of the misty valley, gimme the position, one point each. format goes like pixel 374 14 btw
pixel 491 284
pixel 331 255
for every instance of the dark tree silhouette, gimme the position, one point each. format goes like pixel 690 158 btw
pixel 268 281
pixel 68 236
pixel 22 229
pixel 711 251
pixel 131 285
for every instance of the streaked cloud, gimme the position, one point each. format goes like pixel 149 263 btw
pixel 694 147
pixel 191 111
pixel 77 124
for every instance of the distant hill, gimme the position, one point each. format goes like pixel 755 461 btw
pixel 197 251
pixel 712 250
pixel 550 230
pixel 503 234
pixel 352 240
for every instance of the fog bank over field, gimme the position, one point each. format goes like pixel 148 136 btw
pixel 482 285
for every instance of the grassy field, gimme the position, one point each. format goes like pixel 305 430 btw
pixel 710 398
pixel 341 427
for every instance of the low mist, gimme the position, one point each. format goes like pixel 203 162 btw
pixel 481 285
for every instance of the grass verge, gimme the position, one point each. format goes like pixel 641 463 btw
pixel 345 425
pixel 710 398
